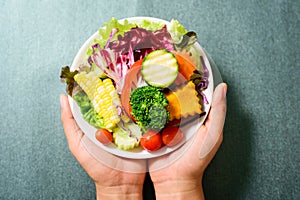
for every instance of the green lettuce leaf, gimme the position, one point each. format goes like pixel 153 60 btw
pixel 151 26
pixel 105 31
pixel 87 110
pixel 177 30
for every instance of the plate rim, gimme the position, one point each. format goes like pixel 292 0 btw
pixel 81 59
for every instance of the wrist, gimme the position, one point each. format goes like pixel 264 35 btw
pixel 179 189
pixel 119 192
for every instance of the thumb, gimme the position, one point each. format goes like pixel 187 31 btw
pixel 215 120
pixel 72 131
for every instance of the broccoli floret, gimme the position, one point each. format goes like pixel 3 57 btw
pixel 148 105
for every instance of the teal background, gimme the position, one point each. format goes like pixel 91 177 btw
pixel 255 44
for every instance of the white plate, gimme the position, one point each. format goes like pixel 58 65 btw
pixel 138 153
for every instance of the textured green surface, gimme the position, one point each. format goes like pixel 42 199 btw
pixel 255 44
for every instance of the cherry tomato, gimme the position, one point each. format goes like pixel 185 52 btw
pixel 151 141
pixel 104 136
pixel 171 135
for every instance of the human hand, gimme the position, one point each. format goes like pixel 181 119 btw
pixel 183 177
pixel 114 177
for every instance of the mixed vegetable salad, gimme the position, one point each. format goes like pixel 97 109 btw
pixel 141 81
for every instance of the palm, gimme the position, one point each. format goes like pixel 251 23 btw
pixel 172 165
pixel 117 168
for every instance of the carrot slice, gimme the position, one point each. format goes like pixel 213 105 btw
pixel 137 63
pixel 186 65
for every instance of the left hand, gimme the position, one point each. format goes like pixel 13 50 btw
pixel 119 179
pixel 178 175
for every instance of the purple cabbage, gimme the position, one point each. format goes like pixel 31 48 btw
pixel 203 83
pixel 142 40
pixel 117 56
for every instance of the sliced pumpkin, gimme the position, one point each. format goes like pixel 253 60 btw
pixel 183 102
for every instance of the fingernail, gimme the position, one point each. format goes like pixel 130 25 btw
pixel 61 99
pixel 224 90
pixel 221 91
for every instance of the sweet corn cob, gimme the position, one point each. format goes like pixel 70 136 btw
pixel 103 96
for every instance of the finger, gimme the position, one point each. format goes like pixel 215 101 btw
pixel 215 121
pixel 72 131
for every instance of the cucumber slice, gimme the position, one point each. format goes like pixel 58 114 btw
pixel 127 138
pixel 160 68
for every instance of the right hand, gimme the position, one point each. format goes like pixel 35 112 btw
pixel 114 177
